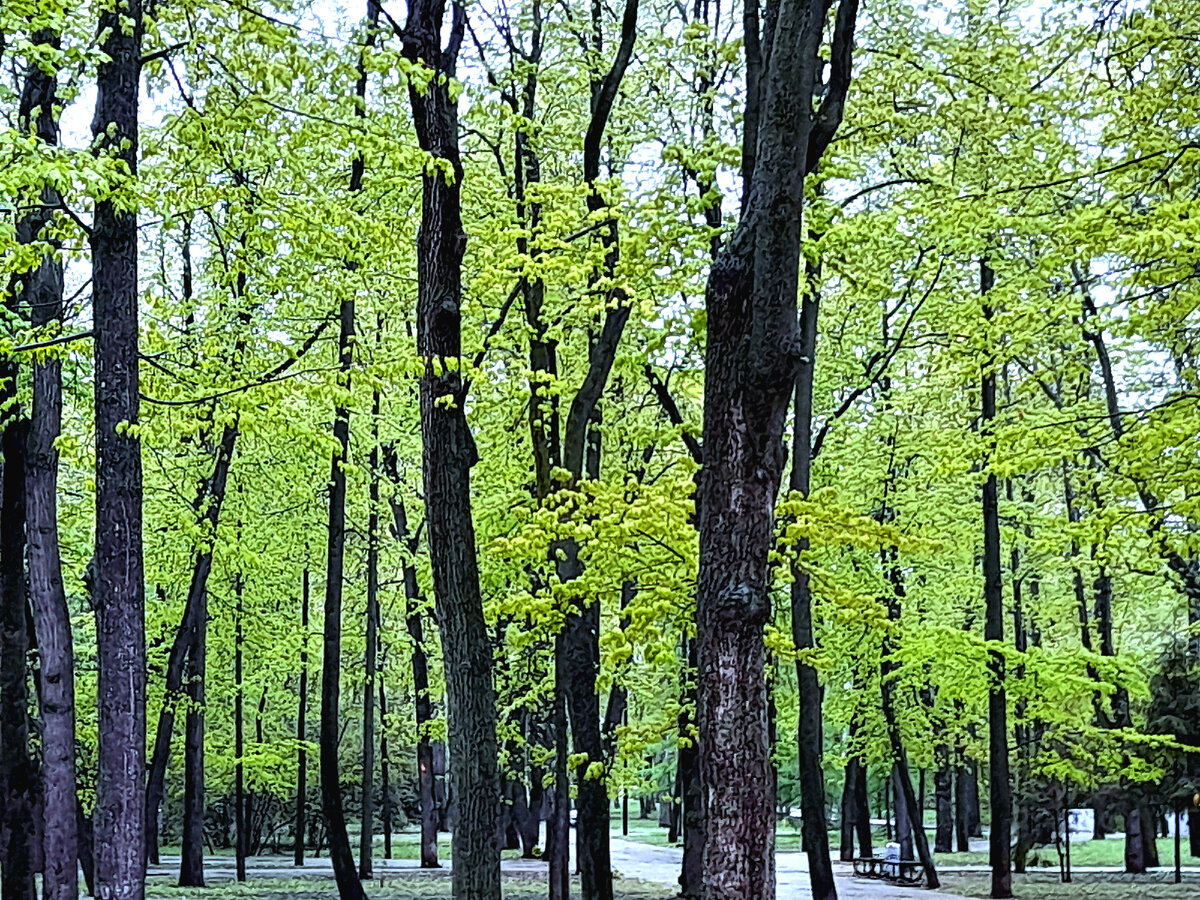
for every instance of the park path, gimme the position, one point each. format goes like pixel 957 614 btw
pixel 630 859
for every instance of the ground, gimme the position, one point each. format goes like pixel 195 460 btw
pixel 648 868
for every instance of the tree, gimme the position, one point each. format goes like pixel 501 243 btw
pixel 751 359
pixel 118 590
pixel 450 452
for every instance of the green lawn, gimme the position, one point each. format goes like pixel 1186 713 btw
pixel 407 887
pixel 1084 853
pixel 1041 887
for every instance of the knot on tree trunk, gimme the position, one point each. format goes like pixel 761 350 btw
pixel 741 603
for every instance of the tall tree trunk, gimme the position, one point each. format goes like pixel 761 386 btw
pixel 18 776
pixel 849 809
pixel 302 726
pixel 558 832
pixel 191 863
pixel 449 454
pixel 751 358
pixel 41 291
pixel 423 711
pixel 340 854
pixel 691 874
pixel 943 792
pixel 905 823
pixel 1000 789
pixel 241 838
pixel 810 742
pixel 367 834
pixel 349 887
pixel 385 762
pixel 117 576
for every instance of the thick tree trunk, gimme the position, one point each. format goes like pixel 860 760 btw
pixel 751 359
pixel 849 809
pixel 18 776
pixel 449 454
pixel 862 818
pixel 41 292
pixel 1000 790
pixel 117 577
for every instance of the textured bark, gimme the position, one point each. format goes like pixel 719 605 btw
pixel 18 776
pixel 691 873
pixel 449 454
pixel 904 821
pixel 302 726
pixel 751 359
pixel 40 291
pixel 558 832
pixel 117 577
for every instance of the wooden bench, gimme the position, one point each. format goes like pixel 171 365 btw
pixel 897 871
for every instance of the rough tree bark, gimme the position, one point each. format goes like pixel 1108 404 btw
pixel 40 291
pixel 943 793
pixel 751 361
pixel 117 578
pixel 449 454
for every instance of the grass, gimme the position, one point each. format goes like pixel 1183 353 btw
pixel 1043 886
pixel 408 887
pixel 1084 853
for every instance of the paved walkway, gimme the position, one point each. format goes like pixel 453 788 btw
pixel 630 859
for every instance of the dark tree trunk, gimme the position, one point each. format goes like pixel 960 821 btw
pixel 302 726
pixel 810 743
pixel 449 454
pixel 87 844
pixel 210 498
pixel 385 762
pixel 1000 790
pixel 862 818
pixel 423 711
pixel 751 360
pixel 904 821
pixel 943 792
pixel 191 863
pixel 849 809
pixel 117 577
pixel 558 832
pixel 241 838
pixel 340 854
pixel 349 887
pixel 367 834
pixel 1135 846
pixel 963 777
pixel 1193 819
pixel 41 291
pixel 18 776
pixel 691 874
